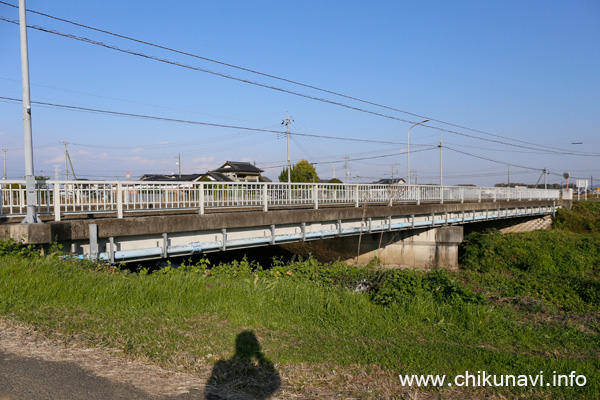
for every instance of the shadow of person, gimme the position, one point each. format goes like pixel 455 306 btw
pixel 247 375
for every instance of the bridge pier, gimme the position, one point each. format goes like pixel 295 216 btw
pixel 413 248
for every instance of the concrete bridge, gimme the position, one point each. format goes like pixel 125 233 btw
pixel 128 221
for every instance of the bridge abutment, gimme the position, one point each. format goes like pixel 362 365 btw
pixel 415 248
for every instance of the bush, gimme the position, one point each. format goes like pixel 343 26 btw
pixel 12 247
pixel 558 267
pixel 399 286
pixel 584 217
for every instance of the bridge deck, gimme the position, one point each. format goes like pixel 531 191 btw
pixel 154 236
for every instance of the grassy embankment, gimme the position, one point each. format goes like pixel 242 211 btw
pixel 523 303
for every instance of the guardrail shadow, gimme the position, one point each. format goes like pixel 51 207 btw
pixel 247 375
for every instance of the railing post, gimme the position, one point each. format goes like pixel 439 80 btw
pixel 119 200
pixel 495 192
pixel 356 196
pixel 441 195
pixel 56 199
pixel 479 195
pixel 21 199
pixel 418 195
pixel 316 195
pixel 462 194
pixel 201 198
pixel 265 197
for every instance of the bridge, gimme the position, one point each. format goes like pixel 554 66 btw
pixel 127 221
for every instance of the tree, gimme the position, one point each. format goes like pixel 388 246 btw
pixel 301 172
pixel 335 180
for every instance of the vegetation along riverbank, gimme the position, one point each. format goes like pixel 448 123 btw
pixel 521 304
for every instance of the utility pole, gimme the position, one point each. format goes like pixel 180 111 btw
pixel 179 164
pixel 440 146
pixel 66 160
pixel 56 173
pixel 286 122
pixel 31 217
pixel 4 150
pixel 346 167
pixel 71 164
pixel 508 174
pixel 545 178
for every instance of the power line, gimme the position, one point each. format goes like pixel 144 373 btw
pixel 373 157
pixel 512 151
pixel 152 117
pixel 346 159
pixel 492 160
pixel 274 77
pixel 175 63
pixel 123 100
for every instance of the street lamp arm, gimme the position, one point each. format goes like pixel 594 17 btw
pixel 408 150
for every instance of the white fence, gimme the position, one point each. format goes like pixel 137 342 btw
pixel 89 197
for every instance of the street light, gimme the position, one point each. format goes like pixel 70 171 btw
pixel 408 149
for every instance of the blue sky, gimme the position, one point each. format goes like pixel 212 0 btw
pixel 523 70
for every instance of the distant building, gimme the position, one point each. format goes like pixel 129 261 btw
pixel 170 178
pixel 235 171
pixel 231 171
pixel 389 181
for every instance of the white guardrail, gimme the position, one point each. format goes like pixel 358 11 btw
pixel 84 197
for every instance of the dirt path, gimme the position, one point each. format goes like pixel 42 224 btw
pixel 27 356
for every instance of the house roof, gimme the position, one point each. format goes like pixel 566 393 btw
pixel 167 178
pixel 239 167
pixel 388 181
pixel 217 176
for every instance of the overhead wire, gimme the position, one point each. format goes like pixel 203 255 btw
pixel 175 63
pixel 282 164
pixel 506 163
pixel 123 100
pixel 152 117
pixel 270 76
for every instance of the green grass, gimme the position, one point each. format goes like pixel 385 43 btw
pixel 584 217
pixel 559 268
pixel 303 312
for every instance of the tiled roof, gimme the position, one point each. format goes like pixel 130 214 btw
pixel 219 177
pixel 238 166
pixel 168 178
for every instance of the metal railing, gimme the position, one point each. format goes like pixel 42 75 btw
pixel 88 197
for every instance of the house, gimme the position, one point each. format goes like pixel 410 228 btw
pixel 388 181
pixel 170 178
pixel 235 171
